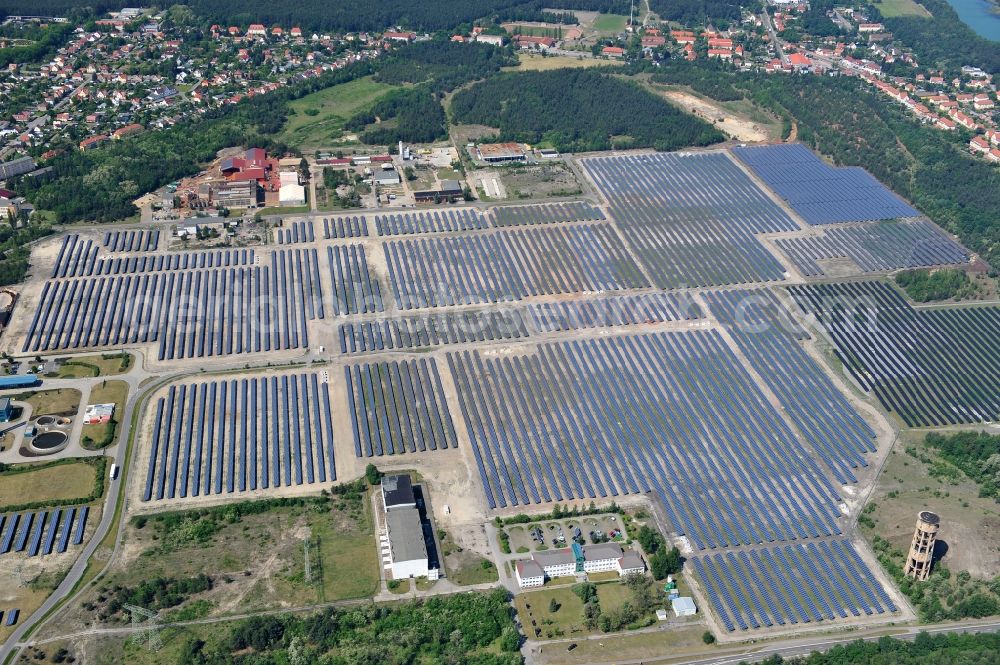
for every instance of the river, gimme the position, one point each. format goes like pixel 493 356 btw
pixel 980 15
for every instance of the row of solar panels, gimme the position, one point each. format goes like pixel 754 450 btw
pixel 241 435
pixel 545 213
pixel 878 247
pixel 765 334
pixel 819 193
pixel 39 533
pixel 791 584
pixel 11 615
pixel 131 241
pixel 691 218
pixel 933 367
pixel 195 313
pixel 79 258
pixel 509 265
pixel 515 322
pixel 671 412
pixel 297 231
pixel 465 219
pixel 398 407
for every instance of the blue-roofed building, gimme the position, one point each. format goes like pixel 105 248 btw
pixel 19 381
pixel 6 409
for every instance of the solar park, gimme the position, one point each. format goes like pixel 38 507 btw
pixel 636 346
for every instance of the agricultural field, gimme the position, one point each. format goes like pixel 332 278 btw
pixel 893 8
pixel 317 120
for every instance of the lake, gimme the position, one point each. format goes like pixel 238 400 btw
pixel 980 16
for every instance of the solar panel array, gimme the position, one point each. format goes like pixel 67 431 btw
pixel 509 265
pixel 691 218
pixel 398 407
pixel 192 314
pixel 344 227
pixel 421 331
pixel 877 247
pixel 79 258
pixel 931 366
pixel 131 241
pixel 12 616
pixel 545 213
pixel 611 311
pixel 355 287
pixel 297 231
pixel 671 412
pixel 43 532
pixel 791 584
pixel 430 222
pixel 762 330
pixel 819 193
pixel 240 435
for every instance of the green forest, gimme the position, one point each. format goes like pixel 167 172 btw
pixel 460 629
pixel 343 15
pixel 578 110
pixel 977 454
pixel 950 649
pixel 411 115
pixel 936 285
pixel 692 12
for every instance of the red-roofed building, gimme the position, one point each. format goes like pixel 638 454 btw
pixel 613 51
pixel 540 42
pixel 295 32
pixel 400 36
pixel 652 41
pixel 255 173
pixel 994 155
pixel 979 144
pixel 93 142
pixel 127 130
pixel 233 31
pixel 718 42
pixel 945 123
pixel 683 36
pixel 276 31
pixel 799 60
pixel 257 30
pixel 721 53
pixel 256 157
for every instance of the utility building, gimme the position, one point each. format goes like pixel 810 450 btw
pixel 404 529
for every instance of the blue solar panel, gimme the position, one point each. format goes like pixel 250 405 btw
pixel 819 193
pixel 81 525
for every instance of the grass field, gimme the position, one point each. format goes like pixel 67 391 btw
pixel 319 118
pixel 609 23
pixel 51 483
pixel 256 561
pixel 915 478
pixel 96 365
pixel 531 62
pixel 108 392
pixel 568 619
pixel 892 8
pixel 64 401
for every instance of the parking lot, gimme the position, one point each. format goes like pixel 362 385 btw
pixel 551 534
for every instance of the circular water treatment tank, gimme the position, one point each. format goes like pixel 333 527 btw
pixel 44 421
pixel 49 440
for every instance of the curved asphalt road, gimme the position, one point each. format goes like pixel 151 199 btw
pixel 107 517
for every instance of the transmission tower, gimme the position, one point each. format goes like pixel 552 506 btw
pixel 146 623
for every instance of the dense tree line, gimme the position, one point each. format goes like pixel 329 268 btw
pixel 945 39
pixel 453 629
pixel 44 45
pixel 977 454
pixel 705 79
pixel 344 15
pixel 692 12
pixel 578 110
pixel 443 64
pixel 936 285
pixel 411 115
pixel 950 648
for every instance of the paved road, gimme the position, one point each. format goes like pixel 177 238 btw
pixel 774 37
pixel 107 515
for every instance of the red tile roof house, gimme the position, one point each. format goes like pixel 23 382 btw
pixel 613 51
pixel 979 144
pixel 127 130
pixel 257 30
pixel 93 142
